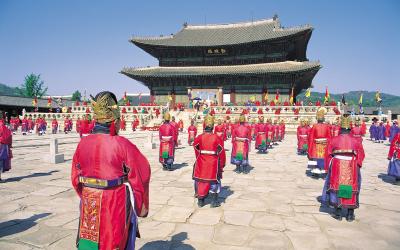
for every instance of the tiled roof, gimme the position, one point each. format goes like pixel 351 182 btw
pixel 223 34
pixel 17 101
pixel 262 68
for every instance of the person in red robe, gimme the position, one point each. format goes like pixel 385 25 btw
pixel 123 123
pixel 241 138
pixel 253 129
pixel 111 177
pixel 302 138
pixel 394 158
pixel 261 135
pixel 363 128
pixel 157 112
pixel 135 123
pixel 219 130
pixel 318 141
pixel 54 126
pixel 228 111
pixel 192 133
pixel 31 124
pixel 209 164
pixel 176 126
pixel 180 125
pixel 318 103
pixel 356 131
pixel 260 111
pixel 270 132
pixel 167 135
pixel 344 158
pixel 66 125
pixel 78 124
pixel 387 129
pixel 25 125
pixel 5 147
pixel 335 128
pixel 277 135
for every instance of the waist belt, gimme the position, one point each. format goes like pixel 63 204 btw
pixel 303 135
pixel 208 152
pixel 357 135
pixel 261 133
pixel 102 184
pixel 343 157
pixel 321 140
pixel 240 139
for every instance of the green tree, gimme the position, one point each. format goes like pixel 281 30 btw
pixel 76 96
pixel 33 86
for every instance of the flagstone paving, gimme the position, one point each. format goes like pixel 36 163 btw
pixel 272 207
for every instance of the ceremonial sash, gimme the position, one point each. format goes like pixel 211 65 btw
pixel 89 226
pixel 240 150
pixel 165 146
pixel 320 146
pixel 345 177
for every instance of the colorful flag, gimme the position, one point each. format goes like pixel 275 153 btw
pixel 327 95
pixel 266 97
pixel 140 96
pixel 34 102
pixel 169 98
pixel 124 98
pixel 291 100
pixel 378 98
pixel 49 101
pixel 308 93
pixel 343 100
pixel 360 107
pixel 277 96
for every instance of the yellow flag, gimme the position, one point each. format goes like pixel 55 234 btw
pixel 169 98
pixel 308 93
pixel 291 97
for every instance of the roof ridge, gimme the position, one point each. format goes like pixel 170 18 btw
pixel 230 25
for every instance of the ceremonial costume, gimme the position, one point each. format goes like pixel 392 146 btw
pixel 220 131
pixel 111 177
pixel 343 161
pixel 25 126
pixel 241 138
pixel 394 158
pixel 318 140
pixel 394 130
pixel 261 135
pixel 335 130
pixel 270 133
pixel 192 133
pixel 380 135
pixel 123 123
pixel 54 126
pixel 356 131
pixel 302 138
pixel 373 131
pixel 167 134
pixel 5 148
pixel 387 130
pixel 78 125
pixel 209 164
pixel 176 128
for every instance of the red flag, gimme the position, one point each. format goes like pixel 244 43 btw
pixel 277 96
pixel 49 100
pixel 124 98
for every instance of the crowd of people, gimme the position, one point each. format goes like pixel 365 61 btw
pixel 111 176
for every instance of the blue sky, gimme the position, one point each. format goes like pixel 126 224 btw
pixel 84 44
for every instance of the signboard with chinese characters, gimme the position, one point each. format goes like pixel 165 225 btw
pixel 216 52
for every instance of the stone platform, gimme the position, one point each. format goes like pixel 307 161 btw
pixel 272 207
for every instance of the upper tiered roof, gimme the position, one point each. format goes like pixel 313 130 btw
pixel 223 34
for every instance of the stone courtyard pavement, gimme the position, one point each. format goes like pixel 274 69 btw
pixel 272 207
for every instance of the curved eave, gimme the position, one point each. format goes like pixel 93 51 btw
pixel 212 71
pixel 169 41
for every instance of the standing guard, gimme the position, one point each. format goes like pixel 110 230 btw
pixel 241 138
pixel 168 140
pixel 5 147
pixel 220 130
pixel 318 140
pixel 261 136
pixel 345 155
pixel 111 177
pixel 302 138
pixel 209 164
pixel 192 132
pixel 394 158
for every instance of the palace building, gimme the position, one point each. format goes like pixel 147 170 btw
pixel 237 62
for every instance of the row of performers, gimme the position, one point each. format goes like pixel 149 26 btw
pixel 83 126
pixel 379 132
pixel 336 151
pixel 339 154
pixel 209 149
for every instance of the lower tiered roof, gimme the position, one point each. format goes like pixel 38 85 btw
pixel 249 69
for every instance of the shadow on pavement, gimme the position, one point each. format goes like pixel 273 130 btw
pixel 19 225
pixel 12 179
pixel 179 165
pixel 176 242
pixel 388 179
